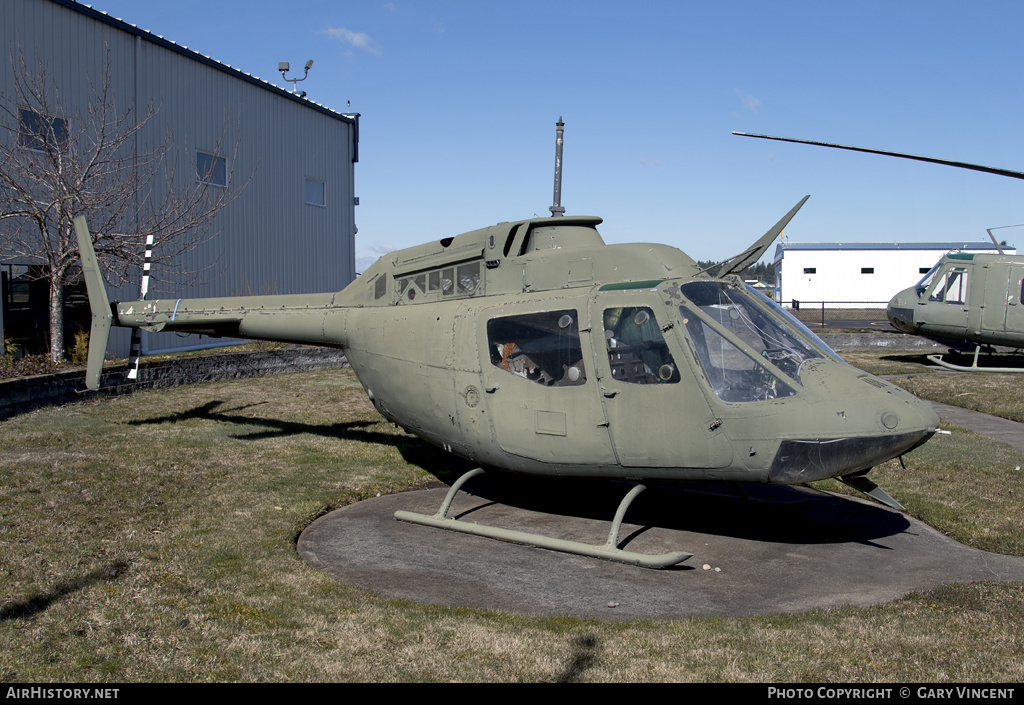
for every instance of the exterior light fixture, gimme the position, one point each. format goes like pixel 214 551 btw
pixel 283 67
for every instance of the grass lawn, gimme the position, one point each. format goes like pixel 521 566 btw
pixel 988 392
pixel 152 538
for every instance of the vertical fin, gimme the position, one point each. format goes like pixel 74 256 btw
pixel 101 316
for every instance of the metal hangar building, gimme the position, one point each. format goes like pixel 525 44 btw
pixel 290 227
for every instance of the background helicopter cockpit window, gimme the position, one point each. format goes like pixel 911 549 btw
pixel 543 347
pixel 636 348
pixel 951 288
pixel 926 280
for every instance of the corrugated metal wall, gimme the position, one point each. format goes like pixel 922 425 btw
pixel 268 240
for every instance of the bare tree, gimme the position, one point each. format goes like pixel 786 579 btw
pixel 57 162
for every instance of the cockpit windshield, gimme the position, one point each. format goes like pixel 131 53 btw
pixel 739 345
pixel 926 280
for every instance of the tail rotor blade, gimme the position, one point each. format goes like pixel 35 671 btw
pixel 98 304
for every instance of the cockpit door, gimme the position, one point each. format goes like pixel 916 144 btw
pixel 538 378
pixel 657 414
pixel 945 304
pixel 1014 301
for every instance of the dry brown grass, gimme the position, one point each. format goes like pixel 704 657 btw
pixel 152 538
pixel 991 393
pixel 995 394
pixel 888 363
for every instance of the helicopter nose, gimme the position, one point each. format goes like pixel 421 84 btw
pixel 900 312
pixel 899 423
pixel 809 460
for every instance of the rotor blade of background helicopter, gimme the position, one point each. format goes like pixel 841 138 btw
pixel 946 162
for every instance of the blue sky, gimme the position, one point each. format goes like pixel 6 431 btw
pixel 459 101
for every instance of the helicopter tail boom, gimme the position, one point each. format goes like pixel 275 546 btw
pixel 312 319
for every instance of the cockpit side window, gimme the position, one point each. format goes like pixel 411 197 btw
pixel 951 288
pixel 543 347
pixel 637 351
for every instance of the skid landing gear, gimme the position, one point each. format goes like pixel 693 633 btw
pixel 609 551
pixel 973 367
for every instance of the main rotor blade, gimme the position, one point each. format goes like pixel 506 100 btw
pixel 945 162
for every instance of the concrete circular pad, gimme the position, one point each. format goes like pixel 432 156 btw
pixel 770 549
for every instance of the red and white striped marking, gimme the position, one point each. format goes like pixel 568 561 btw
pixel 136 350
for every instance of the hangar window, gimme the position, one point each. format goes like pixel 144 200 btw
pixel 315 193
pixel 211 169
pixel 543 347
pixel 37 132
pixel 810 270
pixel 867 270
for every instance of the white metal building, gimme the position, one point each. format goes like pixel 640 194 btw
pixel 290 230
pixel 857 275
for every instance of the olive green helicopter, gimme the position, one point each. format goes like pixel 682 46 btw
pixel 967 299
pixel 533 347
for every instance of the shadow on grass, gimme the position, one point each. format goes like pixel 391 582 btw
pixel 910 358
pixel 415 451
pixel 582 658
pixel 771 513
pixel 41 602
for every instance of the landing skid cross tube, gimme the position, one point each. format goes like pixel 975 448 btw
pixel 937 359
pixel 609 551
